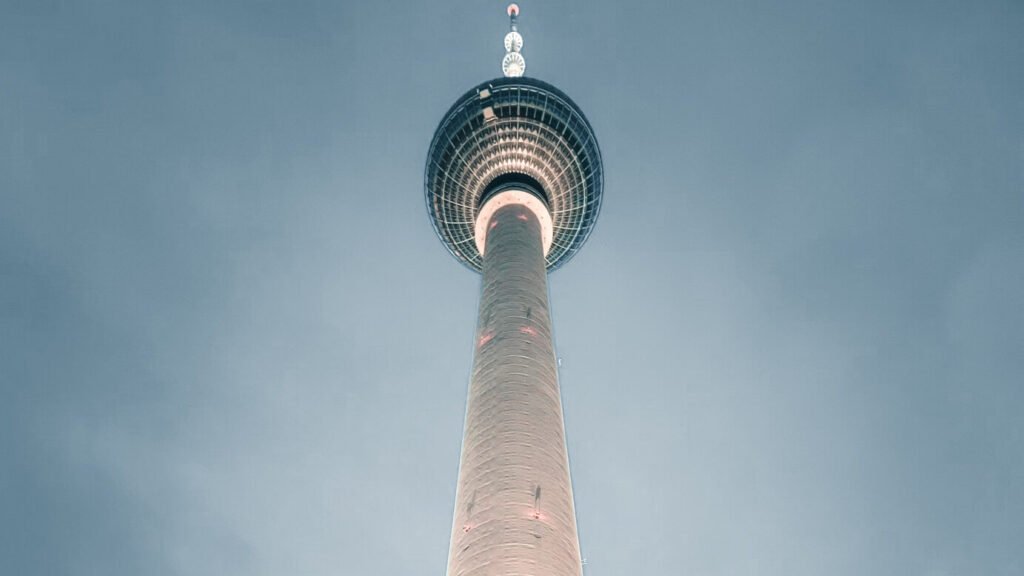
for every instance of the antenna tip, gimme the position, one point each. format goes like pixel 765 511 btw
pixel 513 9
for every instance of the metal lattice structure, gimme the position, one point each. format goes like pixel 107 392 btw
pixel 519 130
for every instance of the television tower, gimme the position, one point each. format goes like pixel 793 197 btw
pixel 513 186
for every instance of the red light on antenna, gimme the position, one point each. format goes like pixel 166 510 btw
pixel 513 9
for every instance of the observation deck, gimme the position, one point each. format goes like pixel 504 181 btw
pixel 514 132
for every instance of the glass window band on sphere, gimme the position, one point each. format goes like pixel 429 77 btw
pixel 511 126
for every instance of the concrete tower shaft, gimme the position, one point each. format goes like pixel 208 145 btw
pixel 514 509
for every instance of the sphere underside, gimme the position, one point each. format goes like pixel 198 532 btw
pixel 508 127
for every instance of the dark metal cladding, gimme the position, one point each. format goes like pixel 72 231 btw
pixel 505 127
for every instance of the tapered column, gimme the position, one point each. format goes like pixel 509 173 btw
pixel 514 508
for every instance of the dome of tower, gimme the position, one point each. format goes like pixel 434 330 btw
pixel 514 131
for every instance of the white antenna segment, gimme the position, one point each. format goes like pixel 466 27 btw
pixel 513 64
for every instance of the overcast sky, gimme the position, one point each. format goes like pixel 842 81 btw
pixel 230 342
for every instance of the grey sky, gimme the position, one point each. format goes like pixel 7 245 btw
pixel 231 344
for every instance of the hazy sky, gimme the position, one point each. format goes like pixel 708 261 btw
pixel 231 344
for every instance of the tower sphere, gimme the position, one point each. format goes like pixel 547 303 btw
pixel 517 133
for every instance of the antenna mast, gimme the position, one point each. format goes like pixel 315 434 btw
pixel 513 64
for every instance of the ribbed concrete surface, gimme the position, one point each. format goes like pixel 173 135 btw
pixel 514 511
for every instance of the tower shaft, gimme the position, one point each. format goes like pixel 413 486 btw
pixel 514 507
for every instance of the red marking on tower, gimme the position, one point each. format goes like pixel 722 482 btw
pixel 484 339
pixel 522 217
pixel 528 330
